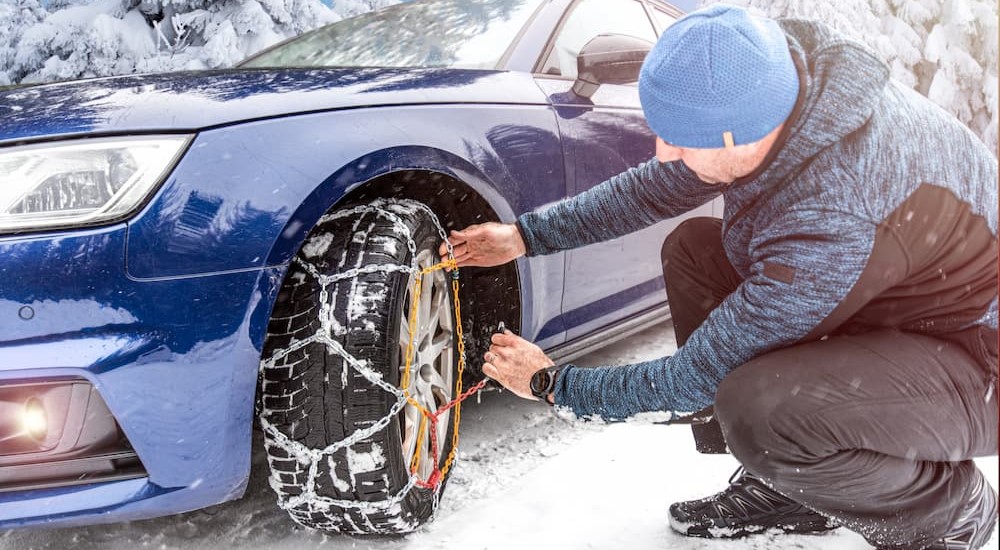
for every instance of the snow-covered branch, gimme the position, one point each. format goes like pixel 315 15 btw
pixel 944 49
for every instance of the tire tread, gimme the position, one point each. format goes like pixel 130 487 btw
pixel 304 395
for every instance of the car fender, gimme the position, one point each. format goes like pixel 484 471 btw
pixel 364 170
pixel 245 196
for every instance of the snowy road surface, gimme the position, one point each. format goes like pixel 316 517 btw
pixel 527 479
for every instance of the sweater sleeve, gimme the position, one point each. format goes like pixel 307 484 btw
pixel 803 267
pixel 628 202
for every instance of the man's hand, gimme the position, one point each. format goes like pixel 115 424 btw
pixel 512 361
pixel 485 245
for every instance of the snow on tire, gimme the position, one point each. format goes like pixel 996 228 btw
pixel 339 435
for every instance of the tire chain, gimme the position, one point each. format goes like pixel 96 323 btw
pixel 388 209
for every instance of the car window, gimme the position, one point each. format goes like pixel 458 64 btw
pixel 465 34
pixel 588 19
pixel 662 20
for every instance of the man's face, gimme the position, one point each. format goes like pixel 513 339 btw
pixel 722 165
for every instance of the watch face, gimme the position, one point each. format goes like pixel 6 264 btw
pixel 540 382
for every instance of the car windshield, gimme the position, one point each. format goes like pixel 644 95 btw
pixel 466 34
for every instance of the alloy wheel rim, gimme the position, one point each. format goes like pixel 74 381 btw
pixel 432 378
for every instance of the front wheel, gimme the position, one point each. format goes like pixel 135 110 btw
pixel 341 440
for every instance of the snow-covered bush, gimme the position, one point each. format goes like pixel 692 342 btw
pixel 83 38
pixel 88 40
pixel 945 49
pixel 226 31
pixel 15 17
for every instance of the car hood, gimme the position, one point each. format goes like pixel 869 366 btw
pixel 174 102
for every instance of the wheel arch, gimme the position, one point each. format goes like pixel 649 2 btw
pixel 457 191
pixel 388 173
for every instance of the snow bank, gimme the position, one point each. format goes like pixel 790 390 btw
pixel 944 50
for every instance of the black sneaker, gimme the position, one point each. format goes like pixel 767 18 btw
pixel 974 526
pixel 746 507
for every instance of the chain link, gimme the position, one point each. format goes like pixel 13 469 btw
pixel 438 472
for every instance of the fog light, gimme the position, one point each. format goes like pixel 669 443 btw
pixel 58 433
pixel 33 420
pixel 34 415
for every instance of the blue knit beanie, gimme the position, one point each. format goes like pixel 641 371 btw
pixel 715 71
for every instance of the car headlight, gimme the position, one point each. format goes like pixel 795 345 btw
pixel 83 182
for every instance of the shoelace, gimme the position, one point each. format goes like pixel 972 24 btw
pixel 735 478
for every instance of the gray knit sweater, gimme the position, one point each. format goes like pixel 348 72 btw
pixel 874 198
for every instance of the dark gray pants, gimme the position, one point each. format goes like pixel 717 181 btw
pixel 874 429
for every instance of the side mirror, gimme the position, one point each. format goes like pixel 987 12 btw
pixel 609 59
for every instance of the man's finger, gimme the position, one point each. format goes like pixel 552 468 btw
pixel 491 371
pixel 508 338
pixel 499 352
pixel 443 250
pixel 455 239
pixel 463 260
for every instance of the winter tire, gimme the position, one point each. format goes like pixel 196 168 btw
pixel 339 443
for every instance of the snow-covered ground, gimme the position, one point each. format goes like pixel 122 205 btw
pixel 527 479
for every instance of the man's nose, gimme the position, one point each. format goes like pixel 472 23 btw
pixel 666 152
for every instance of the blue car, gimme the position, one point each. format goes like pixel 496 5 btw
pixel 185 256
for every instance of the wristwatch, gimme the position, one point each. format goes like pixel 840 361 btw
pixel 543 382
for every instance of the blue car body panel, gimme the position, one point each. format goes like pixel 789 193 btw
pixel 190 101
pixel 166 313
pixel 175 361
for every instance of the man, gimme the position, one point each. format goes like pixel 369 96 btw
pixel 841 318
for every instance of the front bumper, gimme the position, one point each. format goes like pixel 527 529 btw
pixel 174 359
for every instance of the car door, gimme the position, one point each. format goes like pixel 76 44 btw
pixel 607 282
